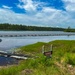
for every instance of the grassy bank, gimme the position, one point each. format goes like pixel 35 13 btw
pixel 61 63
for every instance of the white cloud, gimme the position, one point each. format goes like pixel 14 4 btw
pixel 6 7
pixel 55 18
pixel 28 5
pixel 70 8
pixel 69 5
pixel 71 1
pixel 8 16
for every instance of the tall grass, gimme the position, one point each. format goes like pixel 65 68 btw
pixel 63 51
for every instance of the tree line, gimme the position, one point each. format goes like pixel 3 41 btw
pixel 16 27
pixel 69 29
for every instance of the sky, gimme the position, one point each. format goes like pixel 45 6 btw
pixel 47 13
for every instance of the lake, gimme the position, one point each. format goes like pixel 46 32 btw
pixel 9 43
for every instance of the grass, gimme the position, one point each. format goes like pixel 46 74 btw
pixel 63 55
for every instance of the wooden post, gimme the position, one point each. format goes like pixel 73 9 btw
pixel 51 48
pixel 43 49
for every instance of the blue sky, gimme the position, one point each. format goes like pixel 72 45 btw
pixel 51 13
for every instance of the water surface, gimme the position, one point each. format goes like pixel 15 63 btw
pixel 9 43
